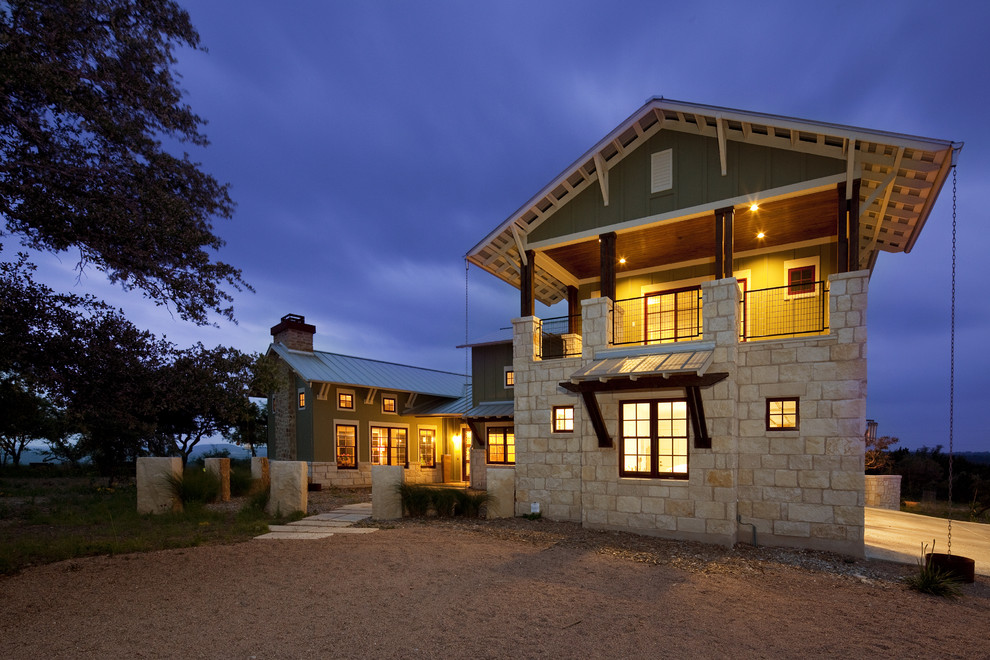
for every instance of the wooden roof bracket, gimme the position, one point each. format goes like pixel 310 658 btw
pixel 370 399
pixel 478 439
pixel 720 130
pixel 690 382
pixel 601 167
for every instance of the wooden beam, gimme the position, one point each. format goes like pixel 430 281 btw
pixel 597 423
pixel 624 383
pixel 727 218
pixel 696 408
pixel 719 246
pixel 602 169
pixel 573 310
pixel 477 439
pixel 520 244
pixel 842 229
pixel 370 399
pixel 853 203
pixel 720 129
pixel 850 167
pixel 526 284
pixel 607 265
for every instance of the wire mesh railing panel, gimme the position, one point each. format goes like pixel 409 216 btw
pixel 785 311
pixel 560 337
pixel 671 316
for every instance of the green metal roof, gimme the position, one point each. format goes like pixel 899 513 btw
pixel 322 367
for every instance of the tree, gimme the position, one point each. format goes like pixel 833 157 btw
pixel 87 95
pixel 26 417
pixel 204 393
pixel 877 456
pixel 252 432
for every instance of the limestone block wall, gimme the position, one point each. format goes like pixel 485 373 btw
pixel 327 474
pixel 805 487
pixel 883 491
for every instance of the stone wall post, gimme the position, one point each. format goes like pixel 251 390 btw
pixel 288 488
pixel 883 491
pixel 596 326
pixel 259 471
pixel 502 489
pixel 154 492
pixel 386 503
pixel 221 468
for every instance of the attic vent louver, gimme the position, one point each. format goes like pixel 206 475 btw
pixel 661 171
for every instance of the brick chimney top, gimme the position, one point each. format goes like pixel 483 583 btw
pixel 293 332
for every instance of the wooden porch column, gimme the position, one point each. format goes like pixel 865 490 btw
pixel 526 271
pixel 723 242
pixel 842 230
pixel 853 247
pixel 608 265
pixel 573 310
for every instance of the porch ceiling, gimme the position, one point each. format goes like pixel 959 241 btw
pixel 901 176
pixel 782 221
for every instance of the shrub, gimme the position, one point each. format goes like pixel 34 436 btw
pixel 932 580
pixel 444 501
pixel 416 499
pixel 471 504
pixel 240 481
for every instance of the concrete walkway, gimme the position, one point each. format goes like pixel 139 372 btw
pixel 322 525
pixel 897 536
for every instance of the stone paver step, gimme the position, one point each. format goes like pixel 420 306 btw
pixel 322 525
pixel 295 535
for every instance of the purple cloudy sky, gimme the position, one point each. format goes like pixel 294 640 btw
pixel 369 145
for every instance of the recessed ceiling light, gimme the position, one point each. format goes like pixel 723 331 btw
pixel 622 260
pixel 754 207
pixel 760 235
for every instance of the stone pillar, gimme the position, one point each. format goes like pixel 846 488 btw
pixel 596 326
pixel 259 471
pixel 221 468
pixel 154 492
pixel 883 491
pixel 502 489
pixel 288 488
pixel 386 504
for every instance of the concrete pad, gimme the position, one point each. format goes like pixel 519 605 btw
pixel 309 522
pixel 295 536
pixel 898 536
pixel 355 530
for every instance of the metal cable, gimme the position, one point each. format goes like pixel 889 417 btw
pixel 952 353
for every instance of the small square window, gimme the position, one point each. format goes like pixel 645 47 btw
pixel 782 414
pixel 510 378
pixel 302 399
pixel 345 400
pixel 389 405
pixel 801 280
pixel 563 419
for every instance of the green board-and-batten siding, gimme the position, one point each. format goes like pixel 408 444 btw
pixel 697 180
pixel 488 365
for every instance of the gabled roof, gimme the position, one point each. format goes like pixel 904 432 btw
pixel 322 367
pixel 901 177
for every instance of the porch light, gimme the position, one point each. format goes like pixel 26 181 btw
pixel 456 441
pixel 754 207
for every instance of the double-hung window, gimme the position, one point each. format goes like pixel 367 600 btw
pixel 501 445
pixel 427 447
pixel 654 439
pixel 346 446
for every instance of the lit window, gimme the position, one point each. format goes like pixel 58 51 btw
pixel 501 445
pixel 346 447
pixel 510 378
pixel 427 447
pixel 673 315
pixel 654 439
pixel 388 404
pixel 345 400
pixel 302 399
pixel 563 419
pixel 782 414
pixel 800 280
pixel 388 446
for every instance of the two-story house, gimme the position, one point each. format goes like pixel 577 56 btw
pixel 708 377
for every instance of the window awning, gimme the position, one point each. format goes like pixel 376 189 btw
pixel 694 362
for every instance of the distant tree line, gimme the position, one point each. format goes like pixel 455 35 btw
pixel 88 99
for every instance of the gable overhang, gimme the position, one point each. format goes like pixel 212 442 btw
pixel 900 178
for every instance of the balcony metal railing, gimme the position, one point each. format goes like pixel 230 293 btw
pixel 560 337
pixel 670 316
pixel 784 311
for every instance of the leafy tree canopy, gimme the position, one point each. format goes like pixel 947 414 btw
pixel 87 95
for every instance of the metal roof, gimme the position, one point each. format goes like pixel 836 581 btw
pixel 662 364
pixel 492 410
pixel 901 176
pixel 322 367
pixel 455 408
pixel 500 336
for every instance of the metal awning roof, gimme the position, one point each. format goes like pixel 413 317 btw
pixel 491 410
pixel 637 366
pixel 447 408
pixel 901 177
pixel 321 367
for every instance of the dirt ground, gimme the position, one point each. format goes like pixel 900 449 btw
pixel 479 589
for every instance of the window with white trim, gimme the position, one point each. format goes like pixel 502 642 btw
pixel 346 447
pixel 428 447
pixel 345 400
pixel 388 446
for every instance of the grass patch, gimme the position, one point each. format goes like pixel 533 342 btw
pixel 57 518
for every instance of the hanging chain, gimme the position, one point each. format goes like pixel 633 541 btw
pixel 952 353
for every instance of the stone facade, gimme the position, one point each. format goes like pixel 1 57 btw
pixel 799 488
pixel 883 491
pixel 327 474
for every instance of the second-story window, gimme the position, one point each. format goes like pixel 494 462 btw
pixel 389 405
pixel 510 377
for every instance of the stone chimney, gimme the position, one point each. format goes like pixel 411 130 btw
pixel 293 332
